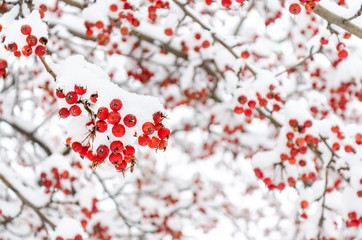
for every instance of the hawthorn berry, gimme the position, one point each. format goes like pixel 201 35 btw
pixel 115 158
pixel 245 54
pixel 71 97
pixel 78 237
pixel 101 126
pixel 116 146
pixel 118 130
pixel 238 110
pixel 158 117
pixel 310 6
pixel 148 128
pixel 121 166
pixel 163 133
pixel 80 90
pixel 143 140
pixel 27 51
pixel 25 29
pixel 130 120
pixel 304 204
pixel 113 8
pixel 75 110
pixel 59 93
pixel 116 104
pixel 162 145
pixel 102 113
pixel 342 54
pixel 154 142
pixel 168 32
pixel 348 148
pixel 43 7
pixel 40 51
pixel 64 113
pixel 295 8
pixel 94 98
pixel 102 151
pixel 31 40
pixel 77 146
pixel 129 150
pixel 12 47
pixel 205 44
pixel 114 117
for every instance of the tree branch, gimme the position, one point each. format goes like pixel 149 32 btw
pixel 28 135
pixel 339 21
pixel 27 202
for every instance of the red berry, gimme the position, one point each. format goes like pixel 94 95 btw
pixel 258 173
pixel 59 93
pixel 113 8
pixel 115 158
pixel 27 51
pixel 12 47
pixel 25 29
pixel 75 110
pixel 310 6
pixel 295 8
pixel 102 113
pixel 162 145
pixel 238 110
pixel 71 98
pixel 342 54
pixel 78 237
pixel 59 238
pixel 99 24
pixel 64 113
pixel 130 120
pixel 102 151
pixel 101 126
pixel 205 44
pixel 40 51
pixel 114 117
pixel 242 99
pixel 245 54
pixel 163 133
pixel 148 128
pixel 251 104
pixel 168 32
pixel 116 104
pixel 324 41
pixel 304 204
pixel 129 150
pixel 77 146
pixel 154 142
pixel 335 146
pixel 43 7
pixel 94 98
pixel 348 148
pixel 281 186
pixel 121 165
pixel 118 130
pixel 116 146
pixel 143 140
pixel 158 117
pixel 359 194
pixel 80 90
pixel 31 40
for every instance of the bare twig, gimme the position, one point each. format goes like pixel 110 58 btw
pixel 49 70
pixel 27 202
pixel 339 21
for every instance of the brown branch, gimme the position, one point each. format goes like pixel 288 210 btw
pixel 28 135
pixel 214 36
pixel 272 120
pixel 358 13
pixel 339 21
pixel 49 70
pixel 27 202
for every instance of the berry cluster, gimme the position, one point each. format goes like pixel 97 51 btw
pixel 152 9
pixel 3 66
pixel 32 43
pixel 149 138
pixel 77 237
pixel 248 105
pixel 57 180
pixel 144 76
pixel 353 220
pixel 259 174
pixel 309 5
pixel 109 118
pixel 100 232
pixel 200 44
pixel 88 213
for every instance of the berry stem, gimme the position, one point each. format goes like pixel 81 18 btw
pixel 49 70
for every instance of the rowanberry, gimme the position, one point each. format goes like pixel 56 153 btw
pixel 116 104
pixel 130 120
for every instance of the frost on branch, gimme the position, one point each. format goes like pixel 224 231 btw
pixel 103 119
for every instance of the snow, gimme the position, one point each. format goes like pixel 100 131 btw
pixel 68 228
